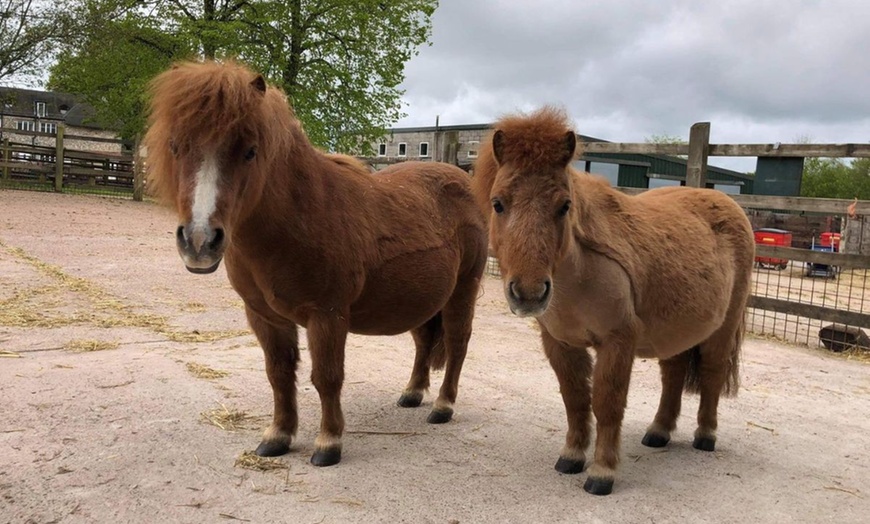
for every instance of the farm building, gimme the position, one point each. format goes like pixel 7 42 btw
pixel 33 111
pixel 459 144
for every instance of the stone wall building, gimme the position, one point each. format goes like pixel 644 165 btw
pixel 42 112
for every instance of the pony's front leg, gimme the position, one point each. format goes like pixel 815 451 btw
pixel 610 380
pixel 327 334
pixel 573 367
pixel 281 349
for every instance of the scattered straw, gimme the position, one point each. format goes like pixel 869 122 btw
pixel 204 336
pixel 250 460
pixel 9 354
pixel 228 419
pixel 856 353
pixel 205 372
pixel 349 502
pixel 753 424
pixel 193 307
pixel 233 517
pixel 87 346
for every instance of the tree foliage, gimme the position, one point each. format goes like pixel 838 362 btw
pixel 339 61
pixel 835 178
pixel 29 31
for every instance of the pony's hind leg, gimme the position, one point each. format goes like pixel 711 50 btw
pixel 327 334
pixel 457 317
pixel 673 371
pixel 281 350
pixel 711 370
pixel 429 344
pixel 573 368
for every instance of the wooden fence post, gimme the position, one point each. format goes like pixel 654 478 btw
pixel 7 157
pixel 138 175
pixel 58 159
pixel 699 147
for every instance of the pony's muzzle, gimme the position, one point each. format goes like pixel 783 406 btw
pixel 529 301
pixel 201 249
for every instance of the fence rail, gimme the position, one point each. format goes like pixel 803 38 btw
pixel 60 168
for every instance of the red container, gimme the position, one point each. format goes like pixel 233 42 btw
pixel 772 237
pixel 830 239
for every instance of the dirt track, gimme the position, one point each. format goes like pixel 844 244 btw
pixel 118 436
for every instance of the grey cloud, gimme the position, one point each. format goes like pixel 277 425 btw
pixel 758 70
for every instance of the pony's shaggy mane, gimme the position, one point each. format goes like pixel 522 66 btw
pixel 204 105
pixel 531 139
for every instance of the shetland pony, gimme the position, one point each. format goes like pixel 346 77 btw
pixel 314 240
pixel 664 274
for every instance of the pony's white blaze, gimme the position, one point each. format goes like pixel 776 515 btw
pixel 205 194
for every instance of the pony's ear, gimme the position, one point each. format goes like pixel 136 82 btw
pixel 570 147
pixel 498 145
pixel 259 83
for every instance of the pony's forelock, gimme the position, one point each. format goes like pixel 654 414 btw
pixel 202 105
pixel 534 139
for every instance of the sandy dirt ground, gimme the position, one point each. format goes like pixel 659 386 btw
pixel 122 434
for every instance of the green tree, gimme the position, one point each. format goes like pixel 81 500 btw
pixel 339 61
pixel 29 31
pixel 835 178
pixel 666 139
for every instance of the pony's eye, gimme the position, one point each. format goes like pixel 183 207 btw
pixel 564 209
pixel 250 154
pixel 497 206
pixel 173 147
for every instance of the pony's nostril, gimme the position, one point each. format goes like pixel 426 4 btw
pixel 547 287
pixel 179 234
pixel 513 289
pixel 217 240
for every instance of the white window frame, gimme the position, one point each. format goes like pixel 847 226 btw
pixel 473 148
pixel 48 127
pixel 39 109
pixel 427 155
pixel 25 125
pixel 382 149
pixel 402 145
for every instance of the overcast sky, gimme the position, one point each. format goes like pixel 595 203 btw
pixel 761 71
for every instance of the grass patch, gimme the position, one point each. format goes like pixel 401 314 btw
pixel 857 353
pixel 89 346
pixel 250 460
pixel 203 371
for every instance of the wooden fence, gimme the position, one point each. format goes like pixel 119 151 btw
pixel 60 168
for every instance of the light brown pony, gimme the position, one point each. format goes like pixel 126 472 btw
pixel 665 274
pixel 314 240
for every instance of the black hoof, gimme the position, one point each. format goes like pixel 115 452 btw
pixel 439 417
pixel 704 444
pixel 654 440
pixel 598 486
pixel 326 457
pixel 410 400
pixel 272 448
pixel 569 467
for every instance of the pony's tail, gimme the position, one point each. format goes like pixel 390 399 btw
pixel 732 363
pixel 437 351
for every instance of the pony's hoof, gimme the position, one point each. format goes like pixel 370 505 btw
pixel 439 417
pixel 598 486
pixel 654 440
pixel 410 400
pixel 569 467
pixel 326 457
pixel 704 444
pixel 272 448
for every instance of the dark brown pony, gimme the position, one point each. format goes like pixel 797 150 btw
pixel 665 274
pixel 314 240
